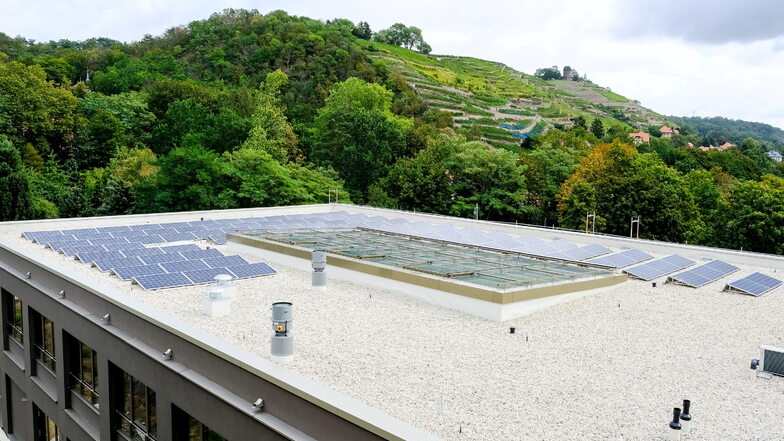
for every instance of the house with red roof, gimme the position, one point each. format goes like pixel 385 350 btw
pixel 640 137
pixel 667 132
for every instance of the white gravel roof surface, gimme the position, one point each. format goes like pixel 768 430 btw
pixel 609 366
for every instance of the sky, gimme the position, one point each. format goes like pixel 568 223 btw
pixel 683 58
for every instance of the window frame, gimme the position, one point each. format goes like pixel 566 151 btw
pixel 14 323
pixel 44 350
pixel 135 397
pixel 85 388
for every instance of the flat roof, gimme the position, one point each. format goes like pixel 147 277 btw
pixel 607 366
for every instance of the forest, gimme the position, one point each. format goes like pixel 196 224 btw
pixel 245 110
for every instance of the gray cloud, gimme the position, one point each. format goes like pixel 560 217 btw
pixel 702 21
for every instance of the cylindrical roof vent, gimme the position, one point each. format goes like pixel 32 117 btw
pixel 282 342
pixel 217 302
pixel 319 277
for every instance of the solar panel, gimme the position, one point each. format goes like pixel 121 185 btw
pixel 703 274
pixel 73 251
pixel 217 262
pixel 177 237
pixel 141 251
pixel 755 284
pixel 251 270
pixel 219 237
pixel 622 259
pixel 57 244
pixel 205 275
pixel 161 231
pixel 160 281
pixel 102 255
pixel 108 240
pixel 129 272
pixel 201 254
pixel 106 265
pixel 185 265
pixel 123 246
pixel 659 267
pixel 147 239
pixel 144 227
pixel 161 258
pixel 179 248
pixel 114 229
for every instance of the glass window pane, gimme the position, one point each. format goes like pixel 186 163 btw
pixel 127 396
pixel 87 363
pixel 151 407
pixel 48 335
pixel 94 372
pixel 139 403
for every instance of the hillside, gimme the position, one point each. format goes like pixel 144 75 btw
pixel 503 104
pixel 733 130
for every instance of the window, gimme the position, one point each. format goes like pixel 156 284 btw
pixel 45 428
pixel 44 342
pixel 137 411
pixel 15 318
pixel 83 371
pixel 188 428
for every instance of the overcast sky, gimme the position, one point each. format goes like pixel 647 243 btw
pixel 700 57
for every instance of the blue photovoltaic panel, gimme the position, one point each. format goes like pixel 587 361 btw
pixel 161 258
pixel 160 281
pixel 218 262
pixel 108 240
pixel 177 237
pixel 106 265
pixel 147 239
pixel 145 227
pixel 622 259
pixel 101 255
pixel 129 272
pixel 161 231
pixel 201 254
pixel 114 229
pixel 185 265
pixel 595 250
pixel 57 244
pixel 175 225
pixel 219 238
pixel 179 248
pixel 141 251
pixel 123 246
pixel 129 233
pixel 703 274
pixel 205 275
pixel 73 251
pixel 251 270
pixel 659 267
pixel 755 284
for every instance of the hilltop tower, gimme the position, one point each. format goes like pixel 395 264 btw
pixel 567 73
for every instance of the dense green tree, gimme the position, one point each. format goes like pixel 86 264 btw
pixel 754 216
pixel 618 183
pixel 271 131
pixel 548 73
pixel 409 37
pixel 357 134
pixel 33 110
pixel 189 178
pixel 451 176
pixel 362 30
pixel 15 199
pixel 597 128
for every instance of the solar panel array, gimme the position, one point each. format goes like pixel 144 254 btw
pixel 622 259
pixel 703 274
pixel 126 251
pixel 755 284
pixel 659 267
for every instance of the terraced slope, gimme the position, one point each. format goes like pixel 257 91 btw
pixel 504 105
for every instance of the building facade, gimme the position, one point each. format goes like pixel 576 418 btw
pixel 85 363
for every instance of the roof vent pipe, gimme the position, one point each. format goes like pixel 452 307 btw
pixel 319 261
pixel 675 426
pixel 217 302
pixel 685 418
pixel 282 342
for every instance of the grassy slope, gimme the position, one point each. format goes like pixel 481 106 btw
pixel 481 94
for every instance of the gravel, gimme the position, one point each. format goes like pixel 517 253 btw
pixel 609 366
